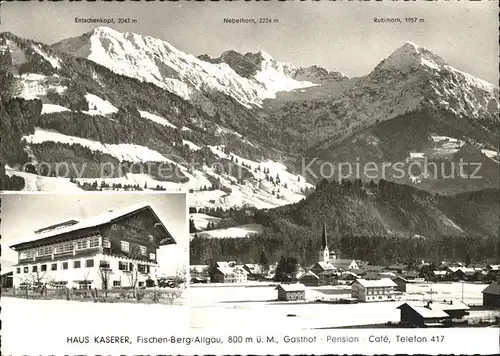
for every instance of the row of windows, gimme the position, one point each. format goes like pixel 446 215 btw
pixel 81 244
pixel 388 291
pixel 54 266
pixel 125 247
pixel 119 283
pixel 374 298
pixel 127 266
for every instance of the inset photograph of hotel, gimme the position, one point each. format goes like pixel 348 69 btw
pixel 103 247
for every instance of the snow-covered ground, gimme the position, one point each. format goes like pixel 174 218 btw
pixel 42 326
pixel 248 305
pixel 34 86
pixel 99 106
pixel 145 58
pixel 122 152
pixel 257 308
pixel 201 220
pixel 158 119
pixel 36 183
pixel 258 191
pixel 234 232
pixel 54 62
pixel 50 108
pixel 191 145
pixel 441 291
pixel 495 156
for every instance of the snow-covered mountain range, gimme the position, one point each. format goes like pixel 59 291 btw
pixel 121 98
pixel 153 60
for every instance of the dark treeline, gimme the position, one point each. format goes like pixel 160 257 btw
pixel 381 250
pixel 380 222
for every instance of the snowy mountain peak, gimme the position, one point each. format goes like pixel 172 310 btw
pixel 104 30
pixel 156 61
pixel 265 56
pixel 411 55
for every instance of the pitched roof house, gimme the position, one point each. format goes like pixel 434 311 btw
pixel 72 252
pixel 491 295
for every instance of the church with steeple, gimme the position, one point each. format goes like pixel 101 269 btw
pixel 325 255
pixel 328 263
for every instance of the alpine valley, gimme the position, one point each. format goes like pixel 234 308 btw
pixel 237 130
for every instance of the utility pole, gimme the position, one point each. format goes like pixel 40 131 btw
pixel 462 291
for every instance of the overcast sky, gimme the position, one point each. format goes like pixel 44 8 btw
pixel 22 214
pixel 335 35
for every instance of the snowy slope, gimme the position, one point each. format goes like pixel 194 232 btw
pixel 51 108
pixel 36 183
pixel 34 86
pixel 158 119
pixel 411 79
pixel 123 152
pixel 201 220
pixel 99 106
pixel 153 60
pixel 233 232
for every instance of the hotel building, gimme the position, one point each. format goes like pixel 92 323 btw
pixel 115 249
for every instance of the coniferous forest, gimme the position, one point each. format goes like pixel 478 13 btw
pixel 381 223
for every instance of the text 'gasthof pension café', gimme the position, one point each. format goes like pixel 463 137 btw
pixel 99 252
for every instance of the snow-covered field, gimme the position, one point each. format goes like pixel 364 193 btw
pixel 441 291
pixel 201 220
pixel 36 183
pixel 237 231
pixel 250 305
pixel 29 326
pixel 256 309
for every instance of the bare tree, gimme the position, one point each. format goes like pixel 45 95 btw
pixel 133 272
pixel 86 278
pixel 173 295
pixel 38 280
pixel 104 273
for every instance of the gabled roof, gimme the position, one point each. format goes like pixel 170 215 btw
pixel 325 265
pixel 296 287
pixel 452 305
pixel 411 274
pixel 95 221
pixel 384 282
pixel 425 312
pixel 493 288
pixel 342 263
pixel 373 268
pixel 309 273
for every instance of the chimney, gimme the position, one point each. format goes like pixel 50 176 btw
pixel 428 305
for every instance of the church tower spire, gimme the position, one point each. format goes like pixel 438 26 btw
pixel 324 254
pixel 324 238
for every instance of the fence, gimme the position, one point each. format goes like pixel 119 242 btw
pixel 115 295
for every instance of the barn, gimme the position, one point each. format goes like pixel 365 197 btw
pixel 288 292
pixel 422 316
pixel 309 279
pixel 491 295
